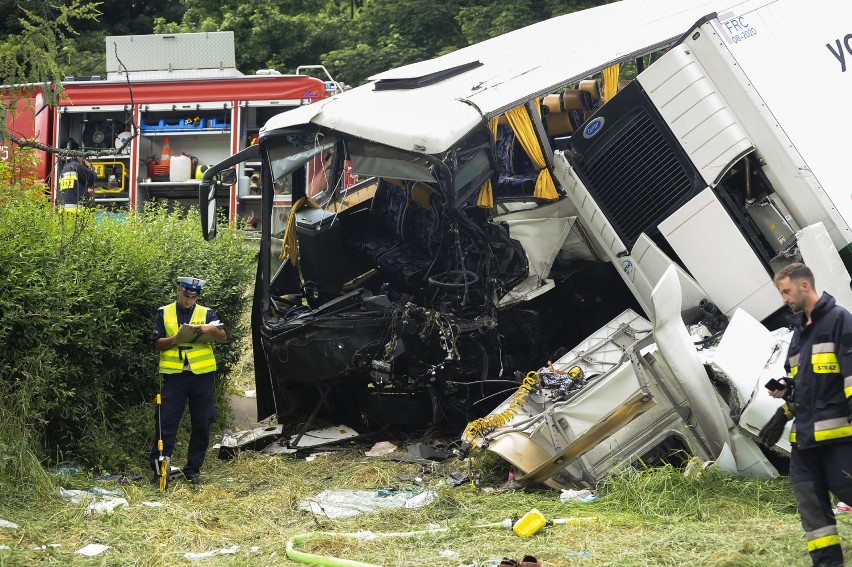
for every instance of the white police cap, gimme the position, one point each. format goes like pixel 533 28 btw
pixel 192 286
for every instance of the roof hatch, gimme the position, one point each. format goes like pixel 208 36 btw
pixel 404 83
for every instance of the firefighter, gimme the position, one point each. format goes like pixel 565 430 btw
pixel 187 372
pixel 76 183
pixel 818 396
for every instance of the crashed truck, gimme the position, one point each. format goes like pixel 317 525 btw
pixel 521 195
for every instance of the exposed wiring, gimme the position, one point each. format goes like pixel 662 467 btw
pixel 476 427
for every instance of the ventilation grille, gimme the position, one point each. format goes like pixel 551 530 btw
pixel 635 176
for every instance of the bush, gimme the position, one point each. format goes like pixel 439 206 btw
pixel 78 293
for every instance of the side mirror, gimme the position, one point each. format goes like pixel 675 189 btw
pixel 228 176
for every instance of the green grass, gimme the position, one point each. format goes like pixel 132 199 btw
pixel 645 518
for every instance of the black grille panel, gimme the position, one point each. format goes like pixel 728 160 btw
pixel 635 175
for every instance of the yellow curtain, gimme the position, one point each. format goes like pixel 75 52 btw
pixel 610 81
pixel 486 195
pixel 290 246
pixel 520 121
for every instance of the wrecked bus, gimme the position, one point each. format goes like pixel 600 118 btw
pixel 518 197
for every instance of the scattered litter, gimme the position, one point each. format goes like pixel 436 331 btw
pixel 449 553
pixel 202 555
pixel 423 499
pixel 584 495
pixel 121 478
pixel 578 555
pixel 44 547
pixel 366 535
pixel 322 436
pixel 457 478
pixel 67 468
pixel 251 393
pixel 151 504
pixel 4 547
pixel 427 452
pixel 92 549
pixel 249 440
pixel 97 503
pixel 276 449
pixel 213 552
pixel 313 456
pixel 842 508
pixel 381 448
pixel 348 503
pixel 8 524
pixel 431 527
pixel 254 549
pixel 104 491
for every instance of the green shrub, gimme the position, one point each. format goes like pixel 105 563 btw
pixel 78 293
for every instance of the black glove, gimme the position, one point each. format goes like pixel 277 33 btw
pixel 774 428
pixel 791 387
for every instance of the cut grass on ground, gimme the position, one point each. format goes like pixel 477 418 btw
pixel 645 518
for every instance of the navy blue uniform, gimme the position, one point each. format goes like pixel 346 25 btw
pixel 74 182
pixel 820 363
pixel 177 389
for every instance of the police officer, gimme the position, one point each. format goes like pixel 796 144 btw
pixel 76 183
pixel 188 368
pixel 818 395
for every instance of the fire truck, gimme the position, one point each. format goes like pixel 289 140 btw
pixel 189 105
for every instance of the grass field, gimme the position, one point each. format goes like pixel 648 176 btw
pixel 643 518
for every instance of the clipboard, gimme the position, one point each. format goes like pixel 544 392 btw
pixel 187 334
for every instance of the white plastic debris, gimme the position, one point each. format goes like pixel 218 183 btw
pixel 202 555
pixel 578 495
pixel 381 448
pixel 366 535
pixel 449 553
pixel 105 505
pixel 213 552
pixel 97 504
pixel 92 549
pixel 254 549
pixel 4 547
pixel 151 504
pixel 423 499
pixel 8 524
pixel 348 503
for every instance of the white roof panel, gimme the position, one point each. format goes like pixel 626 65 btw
pixel 514 67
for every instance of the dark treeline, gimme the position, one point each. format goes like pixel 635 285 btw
pixel 352 38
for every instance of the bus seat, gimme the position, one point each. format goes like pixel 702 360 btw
pixel 386 217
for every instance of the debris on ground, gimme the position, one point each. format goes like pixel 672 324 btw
pixel 92 549
pixel 381 448
pixel 207 554
pixel 8 524
pixel 424 451
pixel 96 503
pixel 584 495
pixel 348 503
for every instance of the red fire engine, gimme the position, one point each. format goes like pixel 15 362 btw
pixel 191 106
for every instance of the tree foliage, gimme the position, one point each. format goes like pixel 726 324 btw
pixel 354 39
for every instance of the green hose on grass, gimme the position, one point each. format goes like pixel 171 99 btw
pixel 326 561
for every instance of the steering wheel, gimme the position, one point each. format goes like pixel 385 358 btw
pixel 453 279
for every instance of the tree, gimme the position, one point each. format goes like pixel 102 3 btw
pixel 30 53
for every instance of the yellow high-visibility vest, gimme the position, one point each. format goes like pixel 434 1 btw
pixel 199 356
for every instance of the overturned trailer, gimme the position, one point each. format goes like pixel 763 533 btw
pixel 518 197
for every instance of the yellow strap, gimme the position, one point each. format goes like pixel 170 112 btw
pixel 290 248
pixel 519 119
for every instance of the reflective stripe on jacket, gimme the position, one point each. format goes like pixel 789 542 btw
pixel 199 356
pixel 820 364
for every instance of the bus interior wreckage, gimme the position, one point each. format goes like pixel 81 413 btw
pixel 456 222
